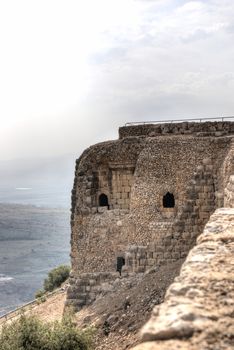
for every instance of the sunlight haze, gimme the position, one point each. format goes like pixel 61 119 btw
pixel 72 72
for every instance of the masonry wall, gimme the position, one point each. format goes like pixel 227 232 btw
pixel 135 172
pixel 209 128
pixel 85 289
pixel 136 215
pixel 175 244
pixel 99 234
pixel 166 165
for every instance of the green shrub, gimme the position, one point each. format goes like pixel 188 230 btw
pixel 41 300
pixel 39 293
pixel 56 277
pixel 29 333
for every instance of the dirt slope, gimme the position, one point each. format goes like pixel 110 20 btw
pixel 119 316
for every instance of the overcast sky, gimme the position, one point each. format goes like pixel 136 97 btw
pixel 71 72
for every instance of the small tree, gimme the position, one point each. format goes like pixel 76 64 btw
pixel 30 333
pixel 56 277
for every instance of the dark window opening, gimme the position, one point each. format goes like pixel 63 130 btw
pixel 103 200
pixel 168 200
pixel 120 264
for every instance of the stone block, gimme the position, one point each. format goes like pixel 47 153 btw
pixel 207 161
pixel 92 282
pixel 157 255
pixel 169 248
pixel 125 206
pixel 151 262
pixel 141 269
pixel 206 208
pixel 88 200
pixel 209 181
pixel 102 209
pixel 159 248
pixel 80 302
pixel 92 296
pixel 120 201
pixel 208 188
pixel 200 168
pixel 186 235
pixel 209 168
pixel 204 215
pixel 210 195
pixel 151 247
pixel 167 242
pixel 94 210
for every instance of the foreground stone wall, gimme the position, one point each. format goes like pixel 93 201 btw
pixel 198 311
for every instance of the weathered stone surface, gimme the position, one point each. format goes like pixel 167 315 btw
pixel 133 174
pixel 229 193
pixel 199 305
pixel 201 129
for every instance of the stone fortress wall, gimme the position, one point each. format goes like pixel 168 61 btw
pixel 145 197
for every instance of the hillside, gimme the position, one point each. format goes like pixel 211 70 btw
pixel 118 315
pixel 197 312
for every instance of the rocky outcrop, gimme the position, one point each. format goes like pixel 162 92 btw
pixel 198 311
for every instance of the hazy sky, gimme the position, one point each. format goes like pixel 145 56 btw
pixel 71 72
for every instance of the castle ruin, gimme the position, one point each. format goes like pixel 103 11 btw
pixel 142 200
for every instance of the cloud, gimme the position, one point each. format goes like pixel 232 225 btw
pixel 177 53
pixel 71 75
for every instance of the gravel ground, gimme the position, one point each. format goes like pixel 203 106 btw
pixel 118 316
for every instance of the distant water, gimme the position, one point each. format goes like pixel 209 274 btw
pixel 34 238
pixel 52 197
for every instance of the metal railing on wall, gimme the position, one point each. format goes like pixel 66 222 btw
pixel 170 121
pixel 24 307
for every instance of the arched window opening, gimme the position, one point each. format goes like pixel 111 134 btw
pixel 168 200
pixel 103 200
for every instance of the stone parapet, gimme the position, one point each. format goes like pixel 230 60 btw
pixel 215 129
pixel 198 309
